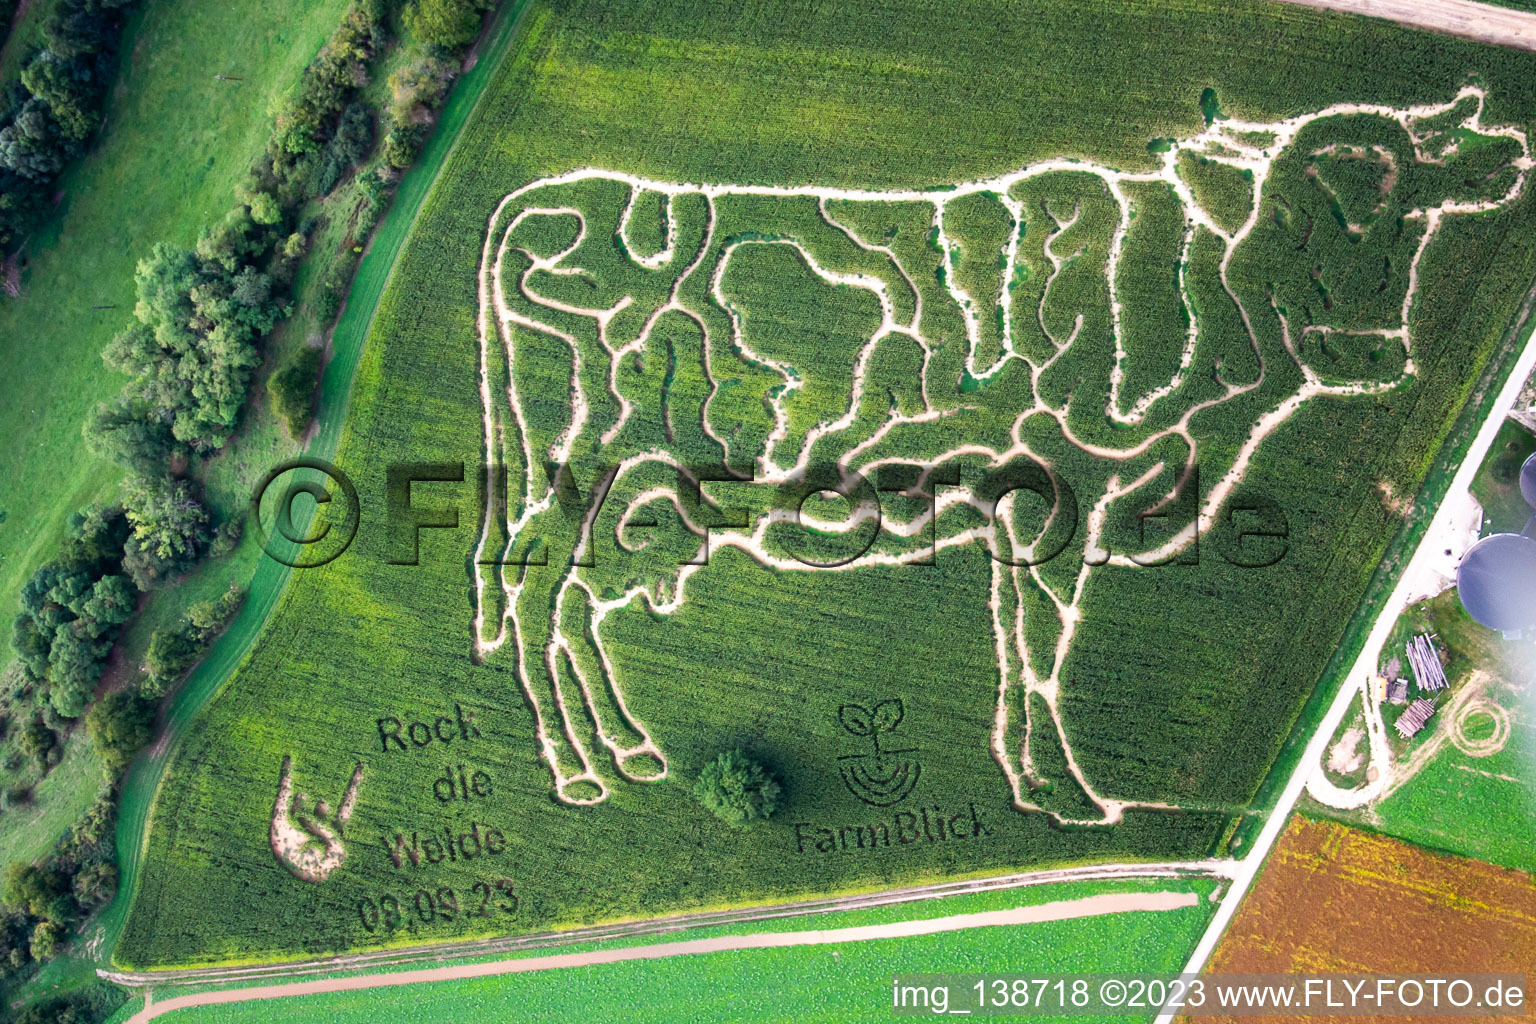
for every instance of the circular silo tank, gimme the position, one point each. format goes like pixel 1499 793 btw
pixel 1528 481
pixel 1497 582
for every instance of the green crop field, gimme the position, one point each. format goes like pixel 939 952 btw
pixel 57 802
pixel 843 982
pixel 533 769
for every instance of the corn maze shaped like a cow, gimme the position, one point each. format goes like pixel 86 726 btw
pixel 1023 363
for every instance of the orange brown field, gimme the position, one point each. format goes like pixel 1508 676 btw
pixel 1334 898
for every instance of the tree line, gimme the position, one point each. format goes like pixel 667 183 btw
pixel 190 353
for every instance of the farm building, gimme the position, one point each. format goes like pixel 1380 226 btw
pixel 1411 721
pixel 1379 688
pixel 1397 693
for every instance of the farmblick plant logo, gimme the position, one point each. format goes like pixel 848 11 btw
pixel 883 776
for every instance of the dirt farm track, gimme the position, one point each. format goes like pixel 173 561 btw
pixel 1483 22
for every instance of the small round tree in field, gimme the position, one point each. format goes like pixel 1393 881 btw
pixel 736 789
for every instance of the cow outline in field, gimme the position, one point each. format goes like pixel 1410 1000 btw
pixel 577 654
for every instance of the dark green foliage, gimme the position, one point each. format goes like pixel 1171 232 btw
pixel 46 899
pixel 170 528
pixel 95 885
pixel 445 23
pixel 72 608
pixel 38 890
pixel 37 739
pixel 46 936
pixel 414 88
pixel 111 603
pixel 74 667
pixel 351 142
pixel 54 107
pixel 403 144
pixel 300 158
pixel 372 196
pixel 31 644
pixel 91 1004
pixel 172 651
pixel 192 350
pixel 736 789
pixel 226 538
pixel 206 619
pixel 292 389
pixel 31 145
pixel 119 724
pixel 67 89
pixel 233 238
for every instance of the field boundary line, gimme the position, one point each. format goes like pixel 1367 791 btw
pixel 1062 910
pixel 1173 870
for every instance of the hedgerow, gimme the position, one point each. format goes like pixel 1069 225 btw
pixel 191 351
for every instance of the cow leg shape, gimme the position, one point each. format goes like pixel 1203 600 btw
pixel 575 634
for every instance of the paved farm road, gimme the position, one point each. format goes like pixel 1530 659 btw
pixel 1487 24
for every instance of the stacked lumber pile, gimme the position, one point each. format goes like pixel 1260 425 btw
pixel 1412 720
pixel 1426 663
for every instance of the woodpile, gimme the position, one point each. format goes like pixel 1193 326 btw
pixel 1425 660
pixel 1412 720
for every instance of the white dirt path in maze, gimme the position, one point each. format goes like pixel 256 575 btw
pixel 1251 148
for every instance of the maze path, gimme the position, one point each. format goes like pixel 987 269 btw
pixel 530 271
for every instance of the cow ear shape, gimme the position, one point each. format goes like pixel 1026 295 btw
pixel 856 719
pixel 886 716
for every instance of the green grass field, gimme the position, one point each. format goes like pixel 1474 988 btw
pixel 57 802
pixel 764 659
pixel 176 140
pixel 779 984
pixel 1497 484
pixel 1476 806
